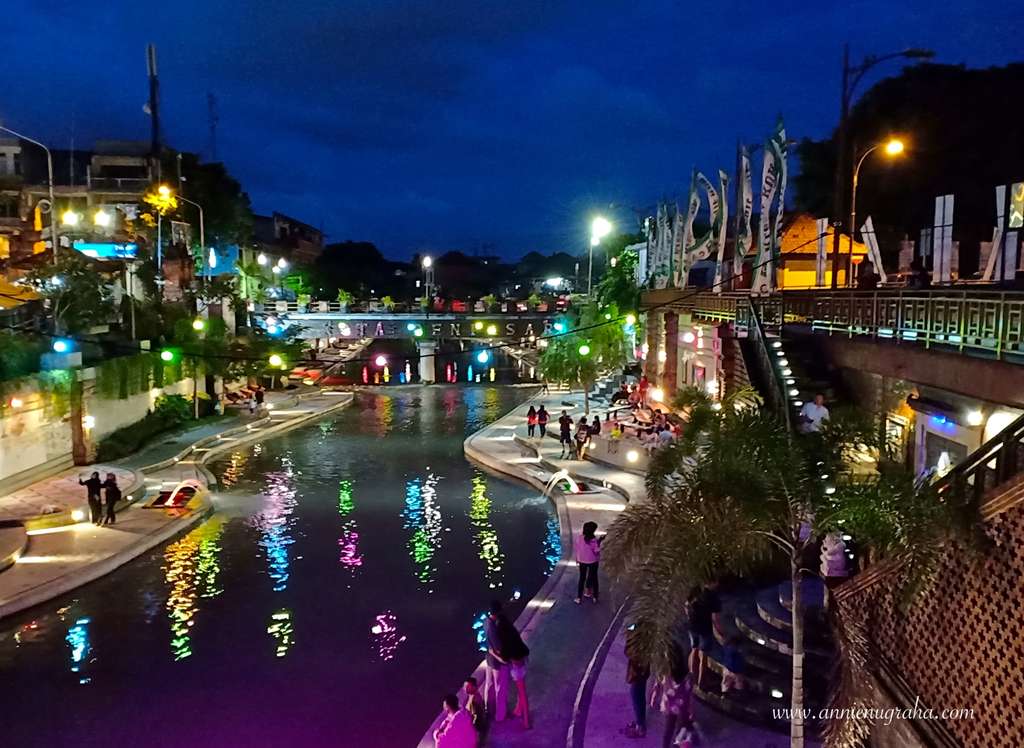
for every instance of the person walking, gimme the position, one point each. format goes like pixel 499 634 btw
pixel 812 415
pixel 92 492
pixel 259 397
pixel 673 694
pixel 542 421
pixel 113 496
pixel 517 654
pixel 531 421
pixel 565 432
pixel 496 684
pixel 588 553
pixel 456 729
pixel 637 674
pixel 704 611
pixel 582 437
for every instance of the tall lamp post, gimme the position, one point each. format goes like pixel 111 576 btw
pixel 54 237
pixel 893 147
pixel 852 75
pixel 202 231
pixel 428 280
pixel 600 227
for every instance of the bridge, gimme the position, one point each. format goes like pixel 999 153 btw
pixel 426 330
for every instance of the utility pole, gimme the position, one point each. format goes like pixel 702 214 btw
pixel 839 180
pixel 154 107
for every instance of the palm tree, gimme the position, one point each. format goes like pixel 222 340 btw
pixel 742 488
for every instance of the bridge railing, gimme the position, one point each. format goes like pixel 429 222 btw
pixel 440 307
pixel 979 322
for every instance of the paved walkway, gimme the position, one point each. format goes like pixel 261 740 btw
pixel 577 663
pixel 61 558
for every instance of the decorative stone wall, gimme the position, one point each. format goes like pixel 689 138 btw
pixel 960 644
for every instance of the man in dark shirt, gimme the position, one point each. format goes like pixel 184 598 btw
pixel 565 431
pixel 92 490
pixel 704 608
pixel 113 496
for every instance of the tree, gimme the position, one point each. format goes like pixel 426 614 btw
pixel 618 284
pixel 958 141
pixel 76 292
pixel 594 345
pixel 743 489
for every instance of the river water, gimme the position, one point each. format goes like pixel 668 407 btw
pixel 330 601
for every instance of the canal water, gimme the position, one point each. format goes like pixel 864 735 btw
pixel 330 601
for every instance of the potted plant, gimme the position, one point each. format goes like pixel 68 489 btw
pixel 389 303
pixel 489 301
pixel 534 301
pixel 303 300
pixel 344 299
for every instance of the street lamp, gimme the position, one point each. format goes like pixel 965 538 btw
pixel 202 227
pixel 70 218
pixel 600 227
pixel 893 147
pixel 428 281
pixel 852 75
pixel 54 237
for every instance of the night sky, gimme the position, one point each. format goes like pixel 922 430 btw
pixel 463 124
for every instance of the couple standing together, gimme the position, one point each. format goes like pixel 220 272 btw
pixel 93 487
pixel 506 655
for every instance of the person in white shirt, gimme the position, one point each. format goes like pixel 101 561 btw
pixel 812 415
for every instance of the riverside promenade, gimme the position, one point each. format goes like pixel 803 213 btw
pixel 577 669
pixel 45 531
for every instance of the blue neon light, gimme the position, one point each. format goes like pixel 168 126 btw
pixel 106 250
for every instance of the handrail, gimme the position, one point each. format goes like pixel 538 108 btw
pixel 776 394
pixel 991 465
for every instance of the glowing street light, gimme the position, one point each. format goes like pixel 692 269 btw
pixel 630 320
pixel 427 262
pixel 282 263
pixel 101 218
pixel 275 360
pixel 61 346
pixel 600 227
pixel 167 356
pixel 70 218
pixel 893 147
pixel 492 330
pixel 381 361
pixel 584 350
pixel 483 357
pixel 261 259
pixel 198 324
pixel 164 190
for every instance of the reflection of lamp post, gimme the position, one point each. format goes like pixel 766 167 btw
pixel 893 147
pixel 851 77
pixel 54 238
pixel 600 227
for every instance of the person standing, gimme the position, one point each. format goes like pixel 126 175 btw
pixel 542 421
pixel 517 654
pixel 565 432
pixel 259 397
pixel 531 421
pixel 93 485
pixel 113 496
pixel 637 674
pixel 588 554
pixel 456 729
pixel 704 608
pixel 475 704
pixel 496 685
pixel 813 415
pixel 582 437
pixel 675 699
pixel 643 387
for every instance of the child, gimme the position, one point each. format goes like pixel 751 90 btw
pixel 475 704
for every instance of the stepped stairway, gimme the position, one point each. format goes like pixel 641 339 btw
pixel 760 622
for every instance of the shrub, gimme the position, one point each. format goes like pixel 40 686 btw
pixel 168 411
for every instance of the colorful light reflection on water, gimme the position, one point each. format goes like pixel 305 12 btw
pixel 486 538
pixel 191 571
pixel 422 515
pixel 274 523
pixel 386 636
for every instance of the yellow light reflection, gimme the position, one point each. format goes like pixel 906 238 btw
pixel 486 538
pixel 281 629
pixel 190 571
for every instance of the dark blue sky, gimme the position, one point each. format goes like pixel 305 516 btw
pixel 462 123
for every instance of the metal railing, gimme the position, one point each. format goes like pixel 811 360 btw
pixel 771 376
pixel 969 321
pixel 993 464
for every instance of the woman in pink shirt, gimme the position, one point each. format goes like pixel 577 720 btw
pixel 588 553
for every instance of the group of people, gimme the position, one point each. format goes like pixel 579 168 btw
pixel 537 418
pixel 94 489
pixel 634 395
pixel 465 721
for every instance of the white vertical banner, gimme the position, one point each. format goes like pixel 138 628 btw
pixel 943 239
pixel 659 261
pixel 686 233
pixel 643 253
pixel 780 152
pixel 996 256
pixel 764 272
pixel 745 237
pixel 821 226
pixel 867 233
pixel 719 228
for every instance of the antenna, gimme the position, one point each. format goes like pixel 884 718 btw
pixel 214 118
